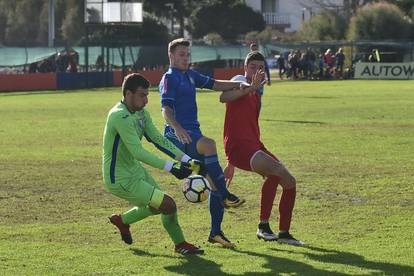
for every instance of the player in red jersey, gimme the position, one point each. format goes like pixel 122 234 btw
pixel 245 151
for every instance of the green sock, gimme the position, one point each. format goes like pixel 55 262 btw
pixel 136 214
pixel 170 223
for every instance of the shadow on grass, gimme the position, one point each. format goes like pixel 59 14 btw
pixel 198 265
pixel 331 256
pixel 308 97
pixel 139 252
pixel 193 264
pixel 294 122
pixel 319 97
pixel 278 265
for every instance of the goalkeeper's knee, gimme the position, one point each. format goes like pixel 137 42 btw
pixel 168 205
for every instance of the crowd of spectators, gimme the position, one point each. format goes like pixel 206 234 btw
pixel 308 64
pixel 61 62
pixel 66 61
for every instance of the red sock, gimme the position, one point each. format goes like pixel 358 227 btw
pixel 286 204
pixel 268 196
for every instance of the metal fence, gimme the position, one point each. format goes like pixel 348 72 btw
pixel 100 58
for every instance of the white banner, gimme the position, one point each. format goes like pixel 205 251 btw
pixel 384 71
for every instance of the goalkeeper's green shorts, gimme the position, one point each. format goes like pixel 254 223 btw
pixel 140 192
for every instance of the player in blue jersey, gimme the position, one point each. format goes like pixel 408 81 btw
pixel 179 109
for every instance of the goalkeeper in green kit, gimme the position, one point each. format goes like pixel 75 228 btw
pixel 124 175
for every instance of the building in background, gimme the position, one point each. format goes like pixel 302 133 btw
pixel 288 15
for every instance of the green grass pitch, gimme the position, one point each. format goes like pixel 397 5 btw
pixel 350 145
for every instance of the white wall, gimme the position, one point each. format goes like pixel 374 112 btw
pixel 294 8
pixel 254 4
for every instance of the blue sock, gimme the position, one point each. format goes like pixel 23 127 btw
pixel 215 204
pixel 216 174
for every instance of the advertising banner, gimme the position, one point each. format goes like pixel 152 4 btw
pixel 384 71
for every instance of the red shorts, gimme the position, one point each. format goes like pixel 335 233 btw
pixel 241 155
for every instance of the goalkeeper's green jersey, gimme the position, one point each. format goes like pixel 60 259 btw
pixel 122 149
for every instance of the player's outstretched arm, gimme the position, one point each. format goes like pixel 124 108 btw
pixel 127 133
pixel 244 89
pixel 153 136
pixel 180 132
pixel 234 94
pixel 180 170
pixel 224 85
pixel 171 150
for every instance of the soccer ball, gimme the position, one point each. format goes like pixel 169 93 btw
pixel 196 188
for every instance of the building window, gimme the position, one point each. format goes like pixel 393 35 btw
pixel 270 6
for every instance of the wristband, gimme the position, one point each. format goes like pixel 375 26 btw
pixel 168 166
pixel 185 158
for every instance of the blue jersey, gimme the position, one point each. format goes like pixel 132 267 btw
pixel 178 91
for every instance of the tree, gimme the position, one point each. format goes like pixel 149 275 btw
pixel 5 6
pixel 379 21
pixel 150 32
pixel 42 34
pixel 73 27
pixel 405 5
pixel 173 9
pixel 324 26
pixel 227 19
pixel 23 22
pixel 60 11
pixel 348 9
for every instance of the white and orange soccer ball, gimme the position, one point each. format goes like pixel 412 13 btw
pixel 196 188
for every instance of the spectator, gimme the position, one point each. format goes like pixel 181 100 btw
pixel 281 65
pixel 304 64
pixel 293 60
pixel 100 64
pixel 33 67
pixel 374 56
pixel 73 66
pixel 329 61
pixel 340 60
pixel 321 67
pixel 62 62
pixel 312 61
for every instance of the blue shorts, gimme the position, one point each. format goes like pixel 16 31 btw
pixel 189 149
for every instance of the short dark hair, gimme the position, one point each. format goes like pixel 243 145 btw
pixel 133 81
pixel 254 56
pixel 178 42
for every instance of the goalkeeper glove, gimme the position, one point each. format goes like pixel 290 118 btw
pixel 181 170
pixel 198 167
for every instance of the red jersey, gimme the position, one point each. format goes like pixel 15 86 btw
pixel 241 124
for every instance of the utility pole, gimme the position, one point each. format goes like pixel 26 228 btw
pixel 51 25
